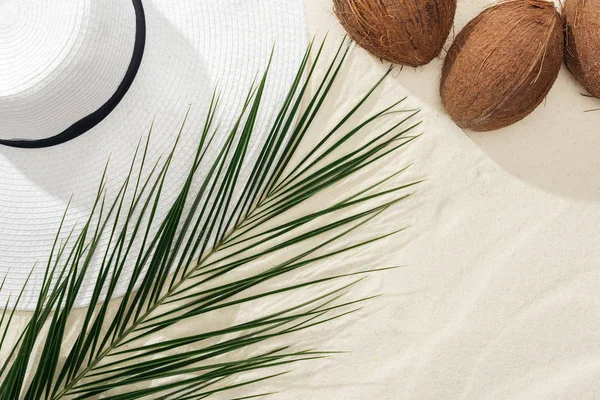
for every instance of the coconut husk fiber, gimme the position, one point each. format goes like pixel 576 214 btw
pixel 581 20
pixel 409 32
pixel 502 64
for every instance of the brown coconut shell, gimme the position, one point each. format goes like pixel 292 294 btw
pixel 409 32
pixel 581 20
pixel 502 64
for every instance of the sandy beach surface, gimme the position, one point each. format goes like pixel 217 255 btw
pixel 499 299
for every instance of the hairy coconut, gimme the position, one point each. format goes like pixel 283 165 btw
pixel 581 20
pixel 502 64
pixel 410 32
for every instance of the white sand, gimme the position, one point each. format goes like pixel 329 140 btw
pixel 500 297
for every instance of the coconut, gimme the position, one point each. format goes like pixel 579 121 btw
pixel 581 20
pixel 410 32
pixel 502 64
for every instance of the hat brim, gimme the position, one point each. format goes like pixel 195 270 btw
pixel 191 48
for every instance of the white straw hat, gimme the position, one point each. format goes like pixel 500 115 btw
pixel 82 80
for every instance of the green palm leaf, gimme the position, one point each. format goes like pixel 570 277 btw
pixel 216 249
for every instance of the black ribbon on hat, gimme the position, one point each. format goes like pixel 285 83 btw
pixel 90 121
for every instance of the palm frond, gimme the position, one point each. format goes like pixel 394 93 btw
pixel 219 247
